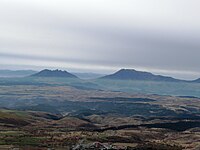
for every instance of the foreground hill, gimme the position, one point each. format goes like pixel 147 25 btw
pixel 54 73
pixel 131 74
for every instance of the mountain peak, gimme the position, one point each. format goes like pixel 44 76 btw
pixel 126 70
pixel 54 73
pixel 132 71
pixel 131 74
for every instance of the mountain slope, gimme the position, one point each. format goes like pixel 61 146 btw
pixel 196 81
pixel 131 74
pixel 54 73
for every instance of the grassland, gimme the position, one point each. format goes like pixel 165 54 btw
pixel 56 113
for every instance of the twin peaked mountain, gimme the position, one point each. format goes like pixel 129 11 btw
pixel 54 73
pixel 123 74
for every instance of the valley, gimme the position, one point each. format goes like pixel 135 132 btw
pixel 62 113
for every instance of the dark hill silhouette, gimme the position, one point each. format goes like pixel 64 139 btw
pixel 131 74
pixel 54 73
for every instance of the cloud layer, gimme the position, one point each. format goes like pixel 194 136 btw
pixel 101 35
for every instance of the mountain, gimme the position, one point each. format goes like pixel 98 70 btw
pixel 54 73
pixel 16 73
pixel 131 74
pixel 196 81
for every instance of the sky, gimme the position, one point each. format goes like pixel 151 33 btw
pixel 101 36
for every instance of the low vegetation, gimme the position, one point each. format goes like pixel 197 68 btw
pixel 55 113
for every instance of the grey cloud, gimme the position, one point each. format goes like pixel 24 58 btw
pixel 130 38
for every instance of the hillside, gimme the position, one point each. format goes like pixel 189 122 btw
pixel 197 80
pixel 54 73
pixel 131 74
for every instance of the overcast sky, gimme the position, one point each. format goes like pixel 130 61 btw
pixel 161 36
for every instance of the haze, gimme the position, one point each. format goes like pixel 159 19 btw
pixel 101 35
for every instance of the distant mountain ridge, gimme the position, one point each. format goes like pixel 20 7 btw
pixel 54 73
pixel 123 74
pixel 131 74
pixel 16 73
